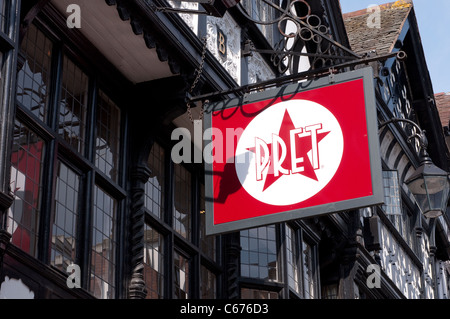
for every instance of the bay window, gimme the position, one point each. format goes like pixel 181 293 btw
pixel 278 256
pixel 175 231
pixel 67 202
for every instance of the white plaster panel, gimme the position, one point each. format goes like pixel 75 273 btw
pixel 258 69
pixel 232 62
pixel 398 266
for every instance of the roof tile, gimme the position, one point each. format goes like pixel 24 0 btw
pixel 443 105
pixel 365 37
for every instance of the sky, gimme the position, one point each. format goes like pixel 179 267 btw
pixel 433 17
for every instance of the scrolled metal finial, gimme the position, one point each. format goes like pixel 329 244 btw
pixel 421 137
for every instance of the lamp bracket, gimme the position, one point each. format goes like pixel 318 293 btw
pixel 424 157
pixel 420 136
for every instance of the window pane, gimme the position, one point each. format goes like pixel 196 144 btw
pixel 392 195
pixel 65 216
pixel 259 253
pixel 73 105
pixel 103 263
pixel 153 263
pixel 33 78
pixel 182 209
pixel 292 259
pixel 330 292
pixel 309 277
pixel 261 11
pixel 207 243
pixel 207 284
pixel 26 170
pixel 108 137
pixel 247 293
pixel 3 18
pixel 154 188
pixel 181 276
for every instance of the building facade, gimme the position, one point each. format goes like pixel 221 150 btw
pixel 93 205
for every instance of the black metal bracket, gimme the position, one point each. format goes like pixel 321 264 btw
pixel 249 48
pixel 401 55
pixel 420 136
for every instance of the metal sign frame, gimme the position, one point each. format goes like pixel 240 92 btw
pixel 377 196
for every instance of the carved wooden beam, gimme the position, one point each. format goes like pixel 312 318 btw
pixel 136 288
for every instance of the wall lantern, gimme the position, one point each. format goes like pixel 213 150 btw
pixel 429 184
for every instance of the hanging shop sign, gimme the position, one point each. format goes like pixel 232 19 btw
pixel 302 150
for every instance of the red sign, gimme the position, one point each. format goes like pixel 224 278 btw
pixel 289 153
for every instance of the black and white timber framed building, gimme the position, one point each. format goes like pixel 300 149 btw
pixel 87 180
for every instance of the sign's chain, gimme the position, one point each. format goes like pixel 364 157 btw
pixel 198 73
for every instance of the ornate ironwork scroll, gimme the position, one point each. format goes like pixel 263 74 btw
pixel 302 34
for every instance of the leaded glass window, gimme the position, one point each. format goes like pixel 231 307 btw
pixel 309 271
pixel 392 196
pixel 207 284
pixel 207 243
pixel 292 259
pixel 153 263
pixel 248 293
pixel 33 78
pixel 183 202
pixel 393 207
pixel 259 253
pixel 107 148
pixel 181 276
pixel 27 162
pixel 154 188
pixel 266 14
pixel 56 100
pixel 172 241
pixel 103 253
pixel 3 16
pixel 73 105
pixel 65 218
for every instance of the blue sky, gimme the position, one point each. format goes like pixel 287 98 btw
pixel 433 17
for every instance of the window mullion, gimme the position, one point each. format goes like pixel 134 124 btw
pixel 55 83
pixel 283 271
pixel 170 190
pixel 195 218
pixel 50 158
pixel 300 262
pixel 169 282
pixel 85 229
pixel 195 271
pixel 91 119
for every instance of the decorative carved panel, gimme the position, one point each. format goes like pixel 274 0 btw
pixel 232 61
